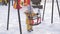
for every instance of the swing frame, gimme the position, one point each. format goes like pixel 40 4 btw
pixel 20 28
pixel 52 10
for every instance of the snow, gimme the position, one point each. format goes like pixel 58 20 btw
pixel 44 28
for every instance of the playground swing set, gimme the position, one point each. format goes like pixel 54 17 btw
pixel 38 17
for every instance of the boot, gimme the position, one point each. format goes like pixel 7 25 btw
pixel 29 30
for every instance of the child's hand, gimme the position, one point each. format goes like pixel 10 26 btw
pixel 30 17
pixel 37 14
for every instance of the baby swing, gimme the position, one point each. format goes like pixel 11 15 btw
pixel 37 17
pixel 36 20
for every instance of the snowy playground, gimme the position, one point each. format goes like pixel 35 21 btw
pixel 44 28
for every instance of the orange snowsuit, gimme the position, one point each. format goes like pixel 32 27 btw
pixel 28 21
pixel 26 2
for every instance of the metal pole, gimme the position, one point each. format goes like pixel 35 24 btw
pixel 52 11
pixel 8 14
pixel 44 10
pixel 12 2
pixel 19 19
pixel 58 7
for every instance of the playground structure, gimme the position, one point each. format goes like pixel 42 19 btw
pixel 52 10
pixel 18 16
pixel 34 7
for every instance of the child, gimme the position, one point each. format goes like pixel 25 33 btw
pixel 4 2
pixel 19 5
pixel 0 2
pixel 29 13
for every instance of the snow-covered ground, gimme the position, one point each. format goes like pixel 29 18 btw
pixel 44 28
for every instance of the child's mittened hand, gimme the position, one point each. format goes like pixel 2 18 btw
pixel 28 16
